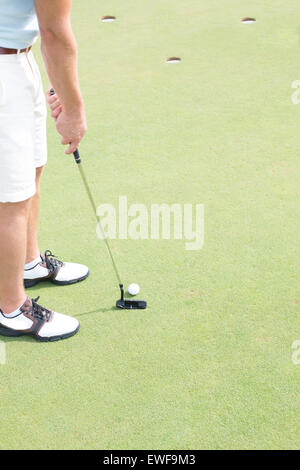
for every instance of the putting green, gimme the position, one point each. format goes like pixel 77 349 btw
pixel 209 364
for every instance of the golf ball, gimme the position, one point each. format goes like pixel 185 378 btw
pixel 133 289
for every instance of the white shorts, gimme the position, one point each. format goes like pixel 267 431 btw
pixel 23 141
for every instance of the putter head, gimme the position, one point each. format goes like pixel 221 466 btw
pixel 129 304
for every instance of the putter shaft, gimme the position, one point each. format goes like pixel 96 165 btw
pixel 84 179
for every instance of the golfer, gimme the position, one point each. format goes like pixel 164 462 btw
pixel 23 155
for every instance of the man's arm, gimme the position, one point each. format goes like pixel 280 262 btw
pixel 60 56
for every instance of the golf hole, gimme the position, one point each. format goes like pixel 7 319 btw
pixel 108 19
pixel 173 60
pixel 248 20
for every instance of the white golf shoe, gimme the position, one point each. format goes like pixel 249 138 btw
pixel 56 271
pixel 42 324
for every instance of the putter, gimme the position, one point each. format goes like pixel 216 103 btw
pixel 123 303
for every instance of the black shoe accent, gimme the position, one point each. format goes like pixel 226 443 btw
pixel 4 331
pixel 31 282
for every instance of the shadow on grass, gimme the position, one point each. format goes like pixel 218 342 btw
pixel 99 310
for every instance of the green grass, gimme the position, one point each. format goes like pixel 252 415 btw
pixel 208 365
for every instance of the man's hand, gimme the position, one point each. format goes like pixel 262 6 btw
pixel 72 128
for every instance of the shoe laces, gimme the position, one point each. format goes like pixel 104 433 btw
pixel 51 260
pixel 35 310
pixel 39 312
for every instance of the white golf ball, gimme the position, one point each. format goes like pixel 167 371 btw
pixel 133 289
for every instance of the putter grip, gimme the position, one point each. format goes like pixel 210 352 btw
pixel 77 157
pixel 76 153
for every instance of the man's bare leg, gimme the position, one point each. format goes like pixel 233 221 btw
pixel 35 271
pixel 31 319
pixel 13 238
pixel 33 251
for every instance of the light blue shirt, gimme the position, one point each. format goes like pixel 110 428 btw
pixel 18 24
